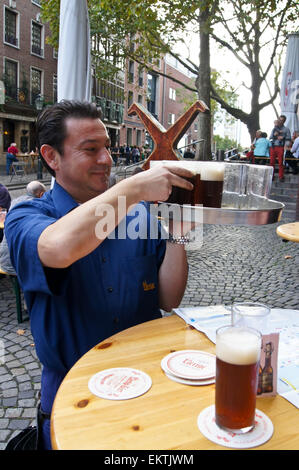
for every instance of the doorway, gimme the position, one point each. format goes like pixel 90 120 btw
pixel 8 133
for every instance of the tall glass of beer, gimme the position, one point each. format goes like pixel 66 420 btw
pixel 211 176
pixel 237 364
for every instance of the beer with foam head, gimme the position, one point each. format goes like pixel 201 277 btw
pixel 237 364
pixel 211 176
pixel 207 180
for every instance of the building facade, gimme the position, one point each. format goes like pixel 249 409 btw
pixel 28 82
pixel 28 72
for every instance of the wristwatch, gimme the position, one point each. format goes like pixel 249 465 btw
pixel 178 240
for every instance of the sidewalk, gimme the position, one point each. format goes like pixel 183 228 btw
pixel 235 263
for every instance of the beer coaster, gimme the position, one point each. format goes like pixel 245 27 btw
pixel 121 383
pixel 190 382
pixel 260 434
pixel 190 364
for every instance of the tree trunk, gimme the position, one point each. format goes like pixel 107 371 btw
pixel 203 83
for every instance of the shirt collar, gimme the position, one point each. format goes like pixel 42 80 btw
pixel 62 200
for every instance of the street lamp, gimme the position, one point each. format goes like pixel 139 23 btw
pixel 39 104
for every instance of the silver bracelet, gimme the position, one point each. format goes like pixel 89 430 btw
pixel 178 240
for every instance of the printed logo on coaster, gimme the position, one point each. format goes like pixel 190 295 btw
pixel 121 383
pixel 190 364
pixel 260 434
pixel 190 382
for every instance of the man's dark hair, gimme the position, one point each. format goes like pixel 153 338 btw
pixel 50 124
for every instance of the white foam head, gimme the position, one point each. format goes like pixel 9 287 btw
pixel 210 171
pixel 238 346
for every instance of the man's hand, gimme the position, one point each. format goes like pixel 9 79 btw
pixel 156 184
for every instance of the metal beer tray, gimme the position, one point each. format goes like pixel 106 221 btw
pixel 267 212
pixel 257 211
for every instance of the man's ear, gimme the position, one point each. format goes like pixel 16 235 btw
pixel 51 156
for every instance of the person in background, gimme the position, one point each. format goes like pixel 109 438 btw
pixel 262 146
pixel 250 153
pixel 294 150
pixel 5 198
pixel 12 151
pixel 189 153
pixel 280 137
pixel 135 154
pixel 5 201
pixel 33 189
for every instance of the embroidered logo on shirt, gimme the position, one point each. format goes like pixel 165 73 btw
pixel 149 286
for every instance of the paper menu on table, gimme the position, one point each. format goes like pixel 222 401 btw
pixel 288 383
pixel 206 319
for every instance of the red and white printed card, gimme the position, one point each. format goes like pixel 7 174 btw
pixel 121 383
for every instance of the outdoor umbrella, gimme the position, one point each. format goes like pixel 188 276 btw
pixel 74 77
pixel 290 84
pixel 74 64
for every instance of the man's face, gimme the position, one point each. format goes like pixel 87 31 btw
pixel 281 121
pixel 85 166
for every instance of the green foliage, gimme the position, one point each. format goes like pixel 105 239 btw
pixel 225 143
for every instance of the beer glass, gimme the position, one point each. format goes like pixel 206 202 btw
pixel 237 364
pixel 252 314
pixel 211 176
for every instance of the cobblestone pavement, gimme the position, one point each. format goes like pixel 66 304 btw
pixel 234 263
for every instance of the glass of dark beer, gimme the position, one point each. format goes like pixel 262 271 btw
pixel 237 365
pixel 211 176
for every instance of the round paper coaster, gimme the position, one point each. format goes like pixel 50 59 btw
pixel 190 382
pixel 121 383
pixel 190 364
pixel 260 434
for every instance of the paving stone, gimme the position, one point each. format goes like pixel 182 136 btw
pixel 3 423
pixel 13 412
pixel 18 423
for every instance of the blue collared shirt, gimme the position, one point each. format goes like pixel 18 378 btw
pixel 73 309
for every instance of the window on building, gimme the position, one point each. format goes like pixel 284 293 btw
pixel 11 28
pixel 140 77
pixel 11 78
pixel 36 84
pixel 129 136
pixel 131 72
pixel 151 93
pixel 37 39
pixel 171 119
pixel 140 97
pixel 172 94
pixel 138 138
pixel 130 98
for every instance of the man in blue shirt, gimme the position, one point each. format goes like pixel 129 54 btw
pixel 83 280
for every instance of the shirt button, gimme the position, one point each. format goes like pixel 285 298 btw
pixel 104 259
pixel 110 289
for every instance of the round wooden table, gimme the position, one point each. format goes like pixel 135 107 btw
pixel 289 231
pixel 163 418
